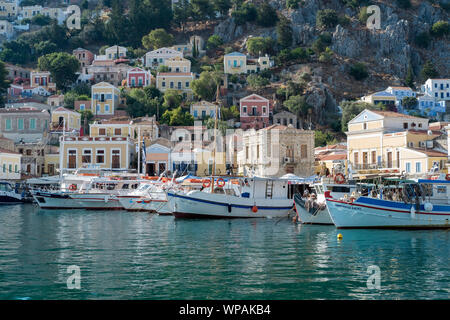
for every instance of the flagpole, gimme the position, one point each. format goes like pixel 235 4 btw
pixel 139 150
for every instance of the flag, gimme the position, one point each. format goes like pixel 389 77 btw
pixel 143 150
pixel 218 115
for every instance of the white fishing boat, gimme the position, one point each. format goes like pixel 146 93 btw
pixel 422 204
pixel 235 198
pixel 102 193
pixel 8 194
pixel 312 209
pixel 53 197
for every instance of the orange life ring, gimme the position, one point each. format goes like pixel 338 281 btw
pixel 220 183
pixel 206 183
pixel 255 209
pixel 339 178
pixel 73 187
pixel 447 176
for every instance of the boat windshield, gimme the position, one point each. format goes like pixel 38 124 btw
pixel 5 187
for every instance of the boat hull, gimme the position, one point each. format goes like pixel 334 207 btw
pixel 204 205
pixel 376 213
pixel 97 201
pixel 47 200
pixel 311 216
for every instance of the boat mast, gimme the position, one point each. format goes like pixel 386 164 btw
pixel 139 150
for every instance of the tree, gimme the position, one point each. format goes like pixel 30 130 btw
pixel 423 39
pixel 4 84
pixel 202 9
pixel 327 18
pixel 266 15
pixel 230 113
pixel 284 32
pixel 428 71
pixel 182 11
pixel 45 47
pixel 326 56
pixel 246 13
pixel 62 67
pixel 41 20
pixel 172 99
pixel 409 80
pixel 205 87
pixel 292 4
pixel 404 4
pixel 214 41
pixel 297 105
pixel 409 102
pixel 260 45
pixel 299 54
pixel 222 6
pixel 16 52
pixel 323 138
pixel 440 29
pixel 177 117
pixel 117 27
pixel 140 104
pixel 157 38
pixel 257 82
pixel 359 71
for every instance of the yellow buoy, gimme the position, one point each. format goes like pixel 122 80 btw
pixel 339 236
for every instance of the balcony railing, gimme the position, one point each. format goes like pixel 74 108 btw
pixel 373 166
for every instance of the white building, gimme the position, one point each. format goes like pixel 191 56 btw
pixel 437 88
pixel 155 58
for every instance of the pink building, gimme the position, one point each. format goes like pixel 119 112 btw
pixel 255 111
pixel 138 77
pixel 84 56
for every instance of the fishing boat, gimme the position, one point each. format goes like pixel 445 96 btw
pixel 233 198
pixel 421 204
pixel 312 209
pixel 8 194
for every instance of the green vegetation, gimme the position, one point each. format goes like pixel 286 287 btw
pixel 292 4
pixel 257 82
pixel 423 39
pixel 327 18
pixel 157 38
pixel 429 71
pixel 41 20
pixel 246 13
pixel 177 117
pixel 259 45
pixel 404 4
pixel 323 138
pixel 297 104
pixel 358 71
pixel 62 67
pixel 326 56
pixel 284 32
pixel 205 87
pixel 440 29
pixel 266 15
pixel 409 102
pixel 214 41
pixel 4 84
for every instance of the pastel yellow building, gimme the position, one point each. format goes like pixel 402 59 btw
pixel 112 128
pixel 382 97
pixel 180 81
pixel 178 64
pixel 8 9
pixel 105 98
pixel 204 159
pixel 9 165
pixel 51 163
pixel 203 109
pixel 65 119
pixel 380 140
pixel 103 152
pixel 235 63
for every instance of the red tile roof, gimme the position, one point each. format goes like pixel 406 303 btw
pixel 431 153
pixel 392 114
pixel 329 157
pixel 8 151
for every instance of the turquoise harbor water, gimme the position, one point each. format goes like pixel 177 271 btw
pixel 125 255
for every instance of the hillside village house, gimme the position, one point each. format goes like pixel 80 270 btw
pixel 384 140
pixel 104 152
pixel 400 93
pixel 155 58
pixel 138 78
pixel 158 157
pixel 239 63
pixel 33 157
pixel 6 29
pixel 56 100
pixel 115 52
pixel 383 97
pixel 84 56
pixel 437 88
pixel 187 49
pixel 203 109
pixel 106 71
pixel 332 156
pixel 180 81
pixel 276 151
pixel 9 8
pixel 146 128
pixel 15 72
pixel 178 64
pixel 42 79
pixel 112 128
pixel 26 124
pixel 285 118
pixel 254 112
pixel 104 99
pixel 65 120
pixel 10 164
